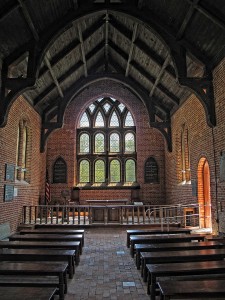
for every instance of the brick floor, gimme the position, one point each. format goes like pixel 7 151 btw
pixel 106 270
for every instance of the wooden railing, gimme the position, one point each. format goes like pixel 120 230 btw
pixel 109 214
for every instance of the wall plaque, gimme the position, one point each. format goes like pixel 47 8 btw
pixel 9 172
pixel 8 192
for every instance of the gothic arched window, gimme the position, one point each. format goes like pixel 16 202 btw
pixel 107 145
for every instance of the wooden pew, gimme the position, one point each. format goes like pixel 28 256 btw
pixel 207 289
pixel 155 239
pixel 27 293
pixel 157 271
pixel 172 230
pixel 178 256
pixel 40 255
pixel 47 237
pixel 173 247
pixel 65 231
pixel 49 245
pixel 38 269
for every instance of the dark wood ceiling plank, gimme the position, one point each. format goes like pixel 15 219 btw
pixel 8 9
pixel 106 59
pixel 212 16
pixel 187 19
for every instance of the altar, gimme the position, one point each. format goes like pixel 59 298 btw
pixel 106 211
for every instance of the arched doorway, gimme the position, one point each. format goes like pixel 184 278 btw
pixel 204 197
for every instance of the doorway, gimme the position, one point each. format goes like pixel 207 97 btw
pixel 204 194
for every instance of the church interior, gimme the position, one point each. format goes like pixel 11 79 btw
pixel 112 116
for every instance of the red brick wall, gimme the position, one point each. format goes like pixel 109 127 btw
pixel 28 193
pixel 149 143
pixel 203 141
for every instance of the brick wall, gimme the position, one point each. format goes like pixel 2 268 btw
pixel 28 193
pixel 149 143
pixel 204 142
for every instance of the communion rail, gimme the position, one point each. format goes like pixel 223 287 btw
pixel 109 214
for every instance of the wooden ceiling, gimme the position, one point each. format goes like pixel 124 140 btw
pixel 161 50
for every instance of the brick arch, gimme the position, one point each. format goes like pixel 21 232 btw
pixel 204 196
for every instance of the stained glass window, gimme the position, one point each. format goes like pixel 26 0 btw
pixel 114 142
pixel 114 171
pixel 84 143
pixel 99 122
pixel 84 121
pixel 114 121
pixel 130 170
pixel 84 171
pixel 129 121
pixel 129 142
pixel 121 107
pixel 99 171
pixel 99 143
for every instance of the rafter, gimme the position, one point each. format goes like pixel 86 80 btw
pixel 131 48
pixel 210 15
pixel 187 19
pixel 8 9
pixel 75 4
pixel 82 49
pixel 166 62
pixel 106 41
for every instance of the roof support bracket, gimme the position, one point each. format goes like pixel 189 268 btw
pixel 47 129
pixel 165 129
pixel 203 89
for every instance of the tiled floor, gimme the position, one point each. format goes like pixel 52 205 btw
pixel 106 269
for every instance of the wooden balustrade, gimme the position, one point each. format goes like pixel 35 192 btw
pixel 104 214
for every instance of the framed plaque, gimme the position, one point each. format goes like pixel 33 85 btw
pixel 8 192
pixel 9 172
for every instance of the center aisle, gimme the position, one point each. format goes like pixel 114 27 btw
pixel 106 269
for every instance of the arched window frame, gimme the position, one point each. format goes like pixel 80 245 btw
pixel 107 130
pixel 135 173
pixel 185 155
pixel 23 154
pixel 54 171
pixel 110 170
pixel 80 135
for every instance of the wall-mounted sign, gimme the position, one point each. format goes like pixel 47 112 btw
pixel 9 172
pixel 8 192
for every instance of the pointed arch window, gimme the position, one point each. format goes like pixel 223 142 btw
pixel 60 171
pixel 84 171
pixel 114 171
pixel 84 143
pixel 130 167
pixel 114 142
pixel 84 121
pixel 114 121
pixel 99 143
pixel 99 171
pixel 129 142
pixel 106 150
pixel 185 155
pixel 129 121
pixel 99 122
pixel 151 171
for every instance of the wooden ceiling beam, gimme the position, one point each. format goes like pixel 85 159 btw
pixel 144 73
pixel 82 49
pixel 187 19
pixel 210 15
pixel 106 41
pixel 75 4
pixel 131 48
pixel 8 9
pixel 166 62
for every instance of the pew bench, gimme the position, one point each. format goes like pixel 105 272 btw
pixel 207 289
pixel 27 293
